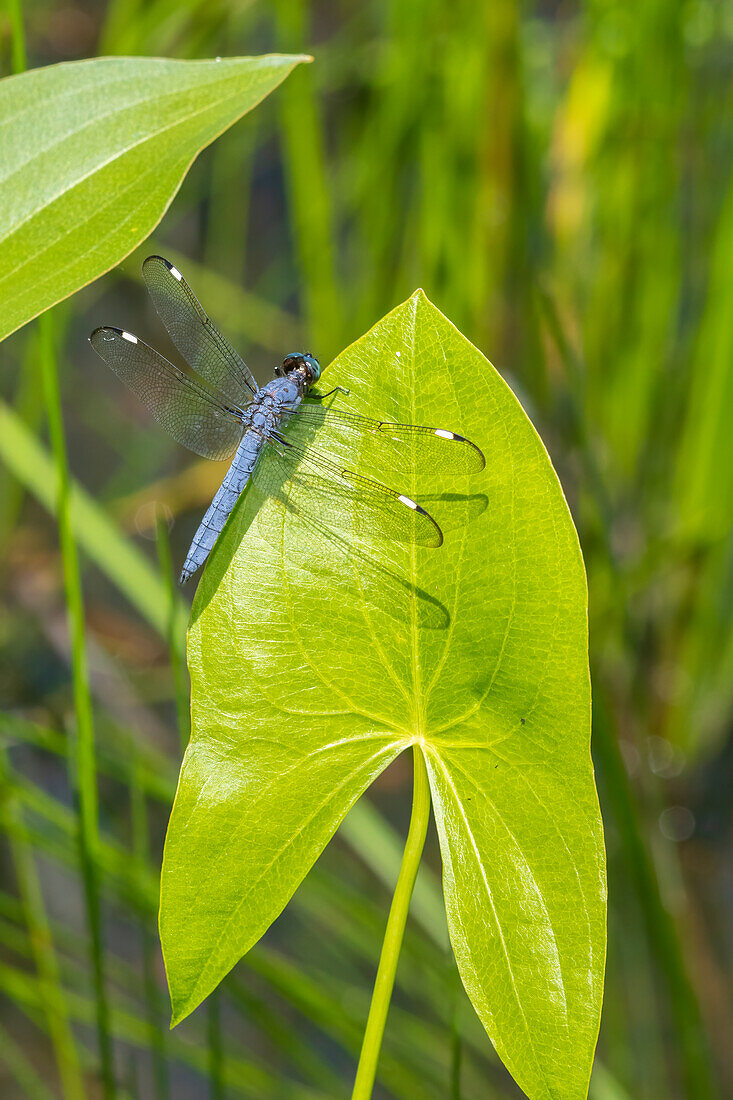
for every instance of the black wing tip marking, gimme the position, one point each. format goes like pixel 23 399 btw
pixel 105 328
pixel 442 433
pixel 98 336
pixel 153 261
pixel 454 437
pixel 437 539
pixel 479 453
pixel 159 259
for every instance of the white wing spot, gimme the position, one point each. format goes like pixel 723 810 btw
pixel 444 434
pixel 408 502
pixel 176 273
pixel 128 336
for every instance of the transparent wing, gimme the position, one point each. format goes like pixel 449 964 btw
pixel 308 483
pixel 434 448
pixel 184 407
pixel 191 330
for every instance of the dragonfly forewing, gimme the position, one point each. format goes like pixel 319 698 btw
pixel 190 411
pixel 194 334
pixel 428 449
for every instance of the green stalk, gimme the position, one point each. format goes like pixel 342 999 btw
pixel 40 938
pixel 691 1040
pixel 81 746
pixel 215 1047
pixel 367 1068
pixel 141 849
pixel 174 631
pixel 176 648
pixel 19 59
pixel 310 197
pixel 456 1059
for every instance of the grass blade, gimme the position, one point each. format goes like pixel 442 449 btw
pixel 82 750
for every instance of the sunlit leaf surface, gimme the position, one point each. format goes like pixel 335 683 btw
pixel 92 154
pixel 314 666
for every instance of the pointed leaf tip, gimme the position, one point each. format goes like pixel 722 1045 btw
pixel 87 190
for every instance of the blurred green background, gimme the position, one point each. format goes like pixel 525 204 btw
pixel 558 178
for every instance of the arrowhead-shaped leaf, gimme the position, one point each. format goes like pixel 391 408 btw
pixel 92 154
pixel 313 668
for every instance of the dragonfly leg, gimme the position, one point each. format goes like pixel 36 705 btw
pixel 278 439
pixel 323 396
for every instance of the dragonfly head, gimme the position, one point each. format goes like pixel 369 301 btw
pixel 304 362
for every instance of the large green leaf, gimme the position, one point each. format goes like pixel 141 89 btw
pixel 92 154
pixel 312 670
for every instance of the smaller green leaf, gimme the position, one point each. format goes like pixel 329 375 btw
pixel 93 153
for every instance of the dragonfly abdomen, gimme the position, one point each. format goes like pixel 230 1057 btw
pixel 226 497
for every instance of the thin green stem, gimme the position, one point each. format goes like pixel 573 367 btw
pixel 141 849
pixel 61 1034
pixel 691 1039
pixel 456 1053
pixel 310 195
pixel 19 59
pixel 175 631
pixel 367 1068
pixel 215 1047
pixel 51 994
pixel 82 756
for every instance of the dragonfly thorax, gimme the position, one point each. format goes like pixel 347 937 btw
pixel 281 394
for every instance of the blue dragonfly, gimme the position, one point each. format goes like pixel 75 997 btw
pixel 218 410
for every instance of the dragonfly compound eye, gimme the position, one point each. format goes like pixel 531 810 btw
pixel 299 359
pixel 313 367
